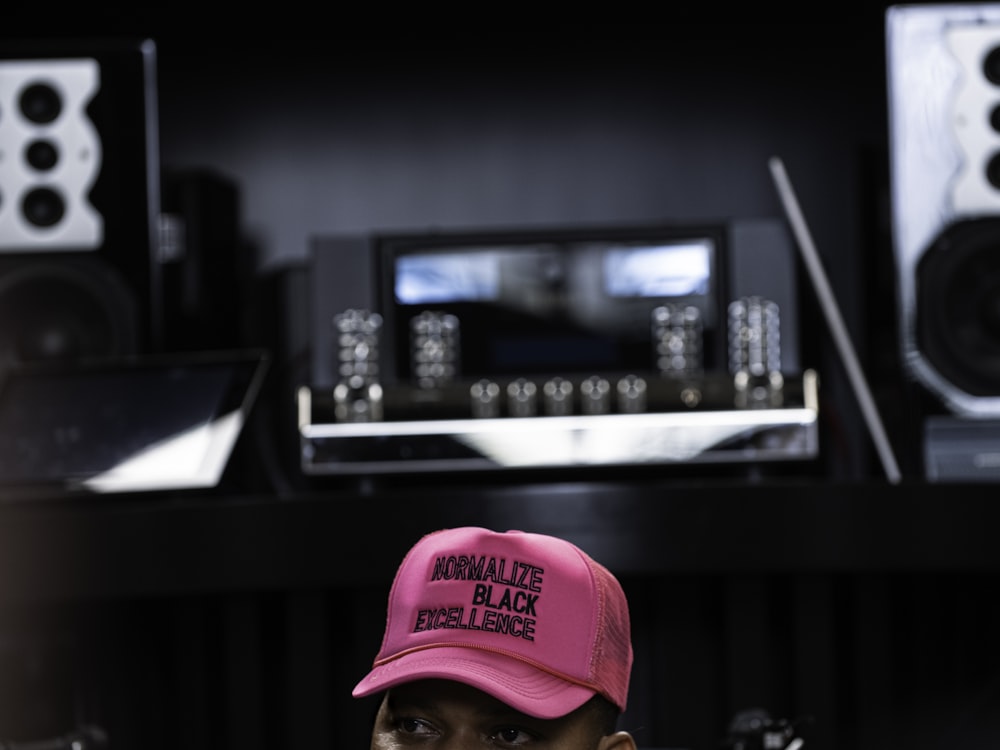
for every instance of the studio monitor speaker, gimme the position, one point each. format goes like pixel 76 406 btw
pixel 79 200
pixel 944 118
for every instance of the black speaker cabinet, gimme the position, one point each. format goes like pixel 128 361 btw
pixel 79 200
pixel 206 271
pixel 944 116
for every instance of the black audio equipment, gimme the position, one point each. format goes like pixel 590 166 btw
pixel 79 200
pixel 556 298
pixel 754 729
pixel 944 93
pixel 205 269
pixel 446 350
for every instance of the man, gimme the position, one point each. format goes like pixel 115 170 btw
pixel 501 640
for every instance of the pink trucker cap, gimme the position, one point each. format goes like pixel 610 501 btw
pixel 527 618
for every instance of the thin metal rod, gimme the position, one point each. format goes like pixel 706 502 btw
pixel 828 303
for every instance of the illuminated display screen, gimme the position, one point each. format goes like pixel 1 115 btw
pixel 548 301
pixel 668 270
pixel 447 277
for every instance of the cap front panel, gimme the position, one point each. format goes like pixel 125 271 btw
pixel 502 592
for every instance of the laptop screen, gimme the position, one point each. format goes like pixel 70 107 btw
pixel 116 425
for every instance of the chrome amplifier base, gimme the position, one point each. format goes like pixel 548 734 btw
pixel 708 433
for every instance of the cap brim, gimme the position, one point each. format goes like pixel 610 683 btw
pixel 518 684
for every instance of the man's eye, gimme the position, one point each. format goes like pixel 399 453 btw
pixel 512 737
pixel 414 726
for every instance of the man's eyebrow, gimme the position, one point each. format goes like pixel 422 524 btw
pixel 496 712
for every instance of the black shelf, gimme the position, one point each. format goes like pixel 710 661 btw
pixel 136 546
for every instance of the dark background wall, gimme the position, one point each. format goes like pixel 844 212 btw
pixel 510 127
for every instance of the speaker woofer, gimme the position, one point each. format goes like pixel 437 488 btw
pixel 958 306
pixel 61 312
